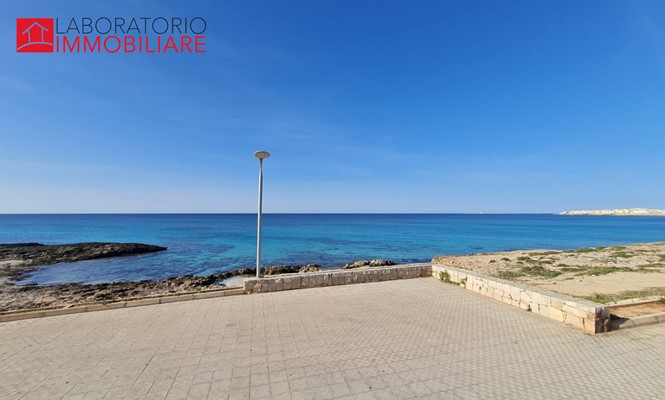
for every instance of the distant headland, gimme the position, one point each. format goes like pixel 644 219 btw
pixel 619 212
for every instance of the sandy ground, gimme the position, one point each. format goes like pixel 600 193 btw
pixel 635 310
pixel 603 273
pixel 235 281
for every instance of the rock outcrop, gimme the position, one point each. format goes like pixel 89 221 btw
pixel 368 263
pixel 16 259
pixel 14 297
pixel 290 269
pixel 19 258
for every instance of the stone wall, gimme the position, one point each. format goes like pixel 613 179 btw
pixel 581 314
pixel 335 277
pixel 137 302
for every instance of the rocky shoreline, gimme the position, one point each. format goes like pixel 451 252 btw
pixel 18 259
pixel 30 297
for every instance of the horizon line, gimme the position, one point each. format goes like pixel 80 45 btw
pixel 282 213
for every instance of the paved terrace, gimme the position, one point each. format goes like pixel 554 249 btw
pixel 417 338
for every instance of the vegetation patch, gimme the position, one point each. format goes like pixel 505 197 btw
pixel 622 254
pixel 540 272
pixel 509 275
pixel 597 271
pixel 605 298
pixel 648 268
pixel 445 276
pixel 625 295
pixel 535 271
pixel 543 253
pixel 652 265
pixel 571 268
pixel 582 250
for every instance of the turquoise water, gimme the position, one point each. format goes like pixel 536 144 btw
pixel 203 244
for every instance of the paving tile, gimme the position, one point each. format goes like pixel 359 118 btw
pixel 305 394
pixel 340 390
pixel 416 338
pixel 322 393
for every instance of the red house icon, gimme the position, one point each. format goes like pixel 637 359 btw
pixel 34 35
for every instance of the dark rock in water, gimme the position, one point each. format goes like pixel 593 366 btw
pixel 40 254
pixel 368 263
pixel 19 258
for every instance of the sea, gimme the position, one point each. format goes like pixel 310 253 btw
pixel 202 244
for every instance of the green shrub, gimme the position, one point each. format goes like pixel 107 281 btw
pixel 582 250
pixel 509 275
pixel 444 276
pixel 543 253
pixel 567 268
pixel 540 271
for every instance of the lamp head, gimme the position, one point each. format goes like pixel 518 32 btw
pixel 261 155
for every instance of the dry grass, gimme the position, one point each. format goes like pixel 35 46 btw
pixel 615 270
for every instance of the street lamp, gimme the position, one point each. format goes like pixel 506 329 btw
pixel 261 155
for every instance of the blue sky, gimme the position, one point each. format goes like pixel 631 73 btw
pixel 373 106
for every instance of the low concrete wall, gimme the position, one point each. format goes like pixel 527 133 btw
pixel 138 302
pixel 335 277
pixel 634 322
pixel 581 314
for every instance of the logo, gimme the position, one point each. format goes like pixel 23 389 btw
pixel 34 35
pixel 110 35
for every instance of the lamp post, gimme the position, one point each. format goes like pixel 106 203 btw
pixel 261 155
